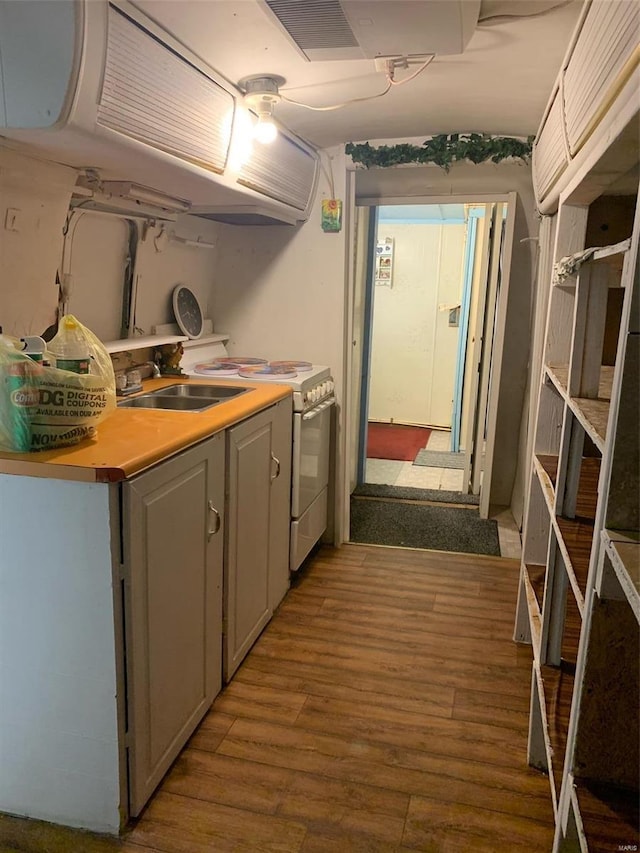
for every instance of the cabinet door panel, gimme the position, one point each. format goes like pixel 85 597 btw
pixel 173 608
pixel 247 608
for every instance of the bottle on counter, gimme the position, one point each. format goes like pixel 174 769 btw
pixel 21 397
pixel 18 394
pixel 33 346
pixel 70 348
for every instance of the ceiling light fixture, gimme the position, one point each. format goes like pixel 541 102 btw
pixel 261 96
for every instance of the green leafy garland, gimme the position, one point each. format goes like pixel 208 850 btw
pixel 443 150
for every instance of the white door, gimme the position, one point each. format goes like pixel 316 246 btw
pixel 413 341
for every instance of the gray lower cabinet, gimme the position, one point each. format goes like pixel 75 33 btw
pixel 173 555
pixel 258 516
pixel 115 615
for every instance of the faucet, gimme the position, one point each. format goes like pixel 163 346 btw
pixel 130 380
pixel 155 370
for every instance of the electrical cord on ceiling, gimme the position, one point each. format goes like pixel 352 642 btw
pixel 390 82
pixel 337 106
pixel 404 80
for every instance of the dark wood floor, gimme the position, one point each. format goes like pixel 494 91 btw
pixel 383 709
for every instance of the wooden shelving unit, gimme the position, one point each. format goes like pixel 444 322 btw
pixel 579 600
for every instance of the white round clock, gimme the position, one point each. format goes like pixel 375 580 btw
pixel 187 311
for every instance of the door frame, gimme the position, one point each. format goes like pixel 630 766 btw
pixel 472 469
pixel 367 330
pixel 510 198
pixel 497 349
pixel 463 336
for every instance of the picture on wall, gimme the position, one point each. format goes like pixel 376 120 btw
pixel 384 262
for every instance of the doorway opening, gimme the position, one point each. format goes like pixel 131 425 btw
pixel 432 278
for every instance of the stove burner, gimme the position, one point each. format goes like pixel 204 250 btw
pixel 240 360
pixel 212 368
pixel 267 371
pixel 300 366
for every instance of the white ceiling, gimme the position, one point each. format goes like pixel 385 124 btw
pixel 499 85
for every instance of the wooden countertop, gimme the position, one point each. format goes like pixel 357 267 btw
pixel 130 440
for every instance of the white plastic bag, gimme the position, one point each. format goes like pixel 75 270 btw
pixel 46 407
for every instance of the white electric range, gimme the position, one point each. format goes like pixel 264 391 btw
pixel 313 400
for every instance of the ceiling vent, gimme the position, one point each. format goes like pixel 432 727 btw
pixel 364 29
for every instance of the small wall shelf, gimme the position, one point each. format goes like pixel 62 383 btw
pixel 163 337
pixel 206 339
pixel 126 344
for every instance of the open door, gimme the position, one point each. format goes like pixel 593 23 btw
pixel 494 367
pixel 487 343
pixel 479 368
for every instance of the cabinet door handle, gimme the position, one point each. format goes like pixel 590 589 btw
pixel 277 474
pixel 213 510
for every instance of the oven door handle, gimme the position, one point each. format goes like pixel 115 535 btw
pixel 317 410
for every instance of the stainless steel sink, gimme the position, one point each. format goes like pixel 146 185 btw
pixel 184 398
pixel 220 392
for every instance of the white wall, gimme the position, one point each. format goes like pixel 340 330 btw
pixel 279 290
pixel 463 181
pixel 413 353
pixel 30 254
pixel 94 253
pixel 161 265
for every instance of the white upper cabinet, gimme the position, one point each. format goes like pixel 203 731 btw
pixel 596 99
pixel 113 91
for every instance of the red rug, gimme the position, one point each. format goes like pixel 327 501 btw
pixel 395 441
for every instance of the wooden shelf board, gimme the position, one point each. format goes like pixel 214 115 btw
pixel 536 575
pixel 575 535
pixel 546 467
pixel 557 690
pixel 592 413
pixel 550 465
pixel 575 538
pixel 558 376
pixel 623 549
pixel 571 632
pixel 534 587
pixel 587 497
pixel 577 818
pixel 609 816
pixel 552 757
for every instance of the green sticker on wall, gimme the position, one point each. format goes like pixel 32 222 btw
pixel 331 214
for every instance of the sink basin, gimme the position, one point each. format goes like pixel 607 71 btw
pixel 174 404
pixel 219 392
pixel 184 398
